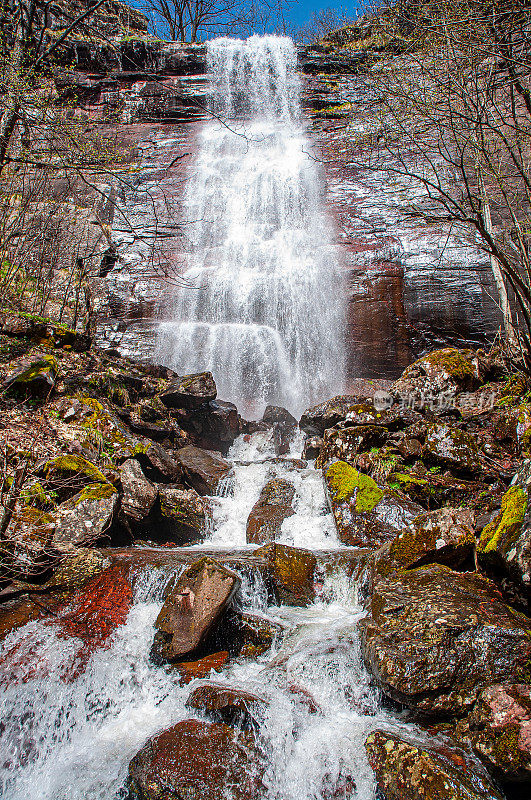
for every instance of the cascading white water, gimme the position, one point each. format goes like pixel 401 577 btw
pixel 263 307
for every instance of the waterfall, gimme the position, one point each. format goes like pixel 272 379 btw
pixel 262 303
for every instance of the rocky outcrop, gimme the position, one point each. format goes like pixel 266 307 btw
pixel 269 512
pixel 434 639
pixel 413 770
pixel 184 515
pixel 199 761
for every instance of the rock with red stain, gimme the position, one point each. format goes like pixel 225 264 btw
pixel 197 761
pixel 269 512
pixel 227 704
pixel 139 494
pixel 202 471
pixel 193 605
pixel 410 770
pixel 201 668
pixel 499 730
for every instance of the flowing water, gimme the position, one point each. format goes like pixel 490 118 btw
pixel 262 306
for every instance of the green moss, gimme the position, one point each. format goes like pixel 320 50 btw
pixel 344 482
pixel 95 491
pixel 72 464
pixel 506 746
pixel 502 532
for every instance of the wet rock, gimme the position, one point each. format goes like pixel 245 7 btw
pixel 452 447
pixel 383 414
pixel 201 668
pixel 441 371
pixel 255 635
pixel 34 376
pixel 191 391
pixel 312 447
pixel 445 536
pixel 193 605
pixel 222 703
pixel 87 517
pixel 220 426
pixel 158 466
pixel 138 493
pixel 291 571
pixel 197 761
pixel 344 444
pixel 185 515
pixel 278 415
pixel 78 566
pixel 202 470
pixel 269 512
pixel 499 730
pixel 365 514
pixel 505 543
pixel 413 770
pixel 435 638
pixel 316 420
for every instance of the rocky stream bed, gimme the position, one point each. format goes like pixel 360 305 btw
pixel 194 605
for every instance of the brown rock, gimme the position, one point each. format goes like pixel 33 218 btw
pixel 139 494
pixel 227 704
pixel 202 471
pixel 197 761
pixel 185 515
pixel 445 536
pixel 269 512
pixel 192 607
pixel 201 668
pixel 452 447
pixel 191 391
pixel 291 571
pixel 343 444
pixel 316 420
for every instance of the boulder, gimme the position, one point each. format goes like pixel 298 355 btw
pixel 291 572
pixel 278 415
pixel 447 445
pixel 87 517
pixel 68 474
pixel 213 426
pixel 193 605
pixel 414 770
pixel 201 668
pixel 158 466
pixel 435 638
pixel 316 420
pixel 202 470
pixel 138 493
pixel 499 730
pixel 227 704
pixel 365 514
pixel 343 444
pixel 269 512
pixel 442 371
pixel 505 543
pixel 445 536
pixel 185 515
pixel 34 376
pixel 197 761
pixel 190 391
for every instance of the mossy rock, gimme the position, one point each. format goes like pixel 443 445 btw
pixel 499 536
pixel 73 465
pixel 345 482
pixel 35 376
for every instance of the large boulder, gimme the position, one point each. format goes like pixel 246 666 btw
pixel 442 371
pixel 283 425
pixel 365 514
pixel 202 470
pixel 499 730
pixel 138 493
pixel 197 761
pixel 190 391
pixel 451 447
pixel 435 638
pixel 221 703
pixel 33 376
pixel 185 516
pixel 269 512
pixel 344 443
pixel 291 572
pixel 193 605
pixel 316 420
pixel 413 770
pixel 87 517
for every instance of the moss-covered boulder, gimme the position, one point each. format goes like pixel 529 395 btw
pixel 33 376
pixel 406 769
pixel 499 730
pixel 70 473
pixel 435 638
pixel 442 371
pixel 291 573
pixel 452 447
pixel 445 536
pixel 185 516
pixel 264 523
pixel 86 518
pixel 366 515
pixel 505 543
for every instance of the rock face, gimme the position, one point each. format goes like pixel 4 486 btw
pixel 343 444
pixel 191 609
pixel 408 770
pixel 316 420
pixel 201 470
pixel 365 514
pixel 441 371
pixel 451 447
pixel 139 494
pixel 435 638
pixel 199 761
pixel 192 391
pixel 505 543
pixel 269 512
pixel 499 730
